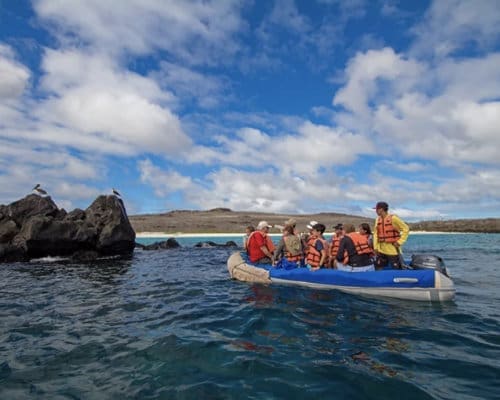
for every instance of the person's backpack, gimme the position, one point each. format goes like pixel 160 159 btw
pixel 293 245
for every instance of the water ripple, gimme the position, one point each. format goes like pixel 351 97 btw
pixel 170 324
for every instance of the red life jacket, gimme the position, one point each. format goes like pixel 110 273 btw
pixel 386 232
pixel 253 249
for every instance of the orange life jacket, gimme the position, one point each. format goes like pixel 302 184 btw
pixel 361 243
pixel 334 249
pixel 313 256
pixel 386 232
pixel 291 256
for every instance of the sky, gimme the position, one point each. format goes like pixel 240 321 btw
pixel 277 106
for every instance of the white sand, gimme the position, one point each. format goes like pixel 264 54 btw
pixel 180 234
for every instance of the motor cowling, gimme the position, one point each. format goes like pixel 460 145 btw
pixel 427 261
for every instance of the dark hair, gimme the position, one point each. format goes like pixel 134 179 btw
pixel 320 228
pixel 349 228
pixel 288 228
pixel 250 228
pixel 366 227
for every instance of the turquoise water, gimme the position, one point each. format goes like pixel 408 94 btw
pixel 171 325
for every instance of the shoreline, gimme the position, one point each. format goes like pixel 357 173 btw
pixel 188 235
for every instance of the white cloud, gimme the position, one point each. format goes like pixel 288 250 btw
pixel 198 32
pixel 163 182
pixel 303 152
pixel 92 97
pixel 430 111
pixel 367 73
pixel 14 76
pixel 188 84
pixel 451 25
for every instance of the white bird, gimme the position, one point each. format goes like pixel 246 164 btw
pixel 116 193
pixel 39 190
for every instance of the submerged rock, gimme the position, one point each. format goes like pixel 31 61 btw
pixel 209 243
pixel 170 243
pixel 34 227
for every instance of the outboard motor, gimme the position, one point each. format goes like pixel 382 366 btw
pixel 424 261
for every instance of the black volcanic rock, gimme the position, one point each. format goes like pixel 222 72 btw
pixel 108 215
pixel 170 243
pixel 209 243
pixel 35 227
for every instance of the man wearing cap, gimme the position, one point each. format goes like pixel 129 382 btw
pixel 258 245
pixel 389 234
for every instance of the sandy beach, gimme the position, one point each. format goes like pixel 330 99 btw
pixel 180 234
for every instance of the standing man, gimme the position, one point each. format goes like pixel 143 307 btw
pixel 259 245
pixel 389 234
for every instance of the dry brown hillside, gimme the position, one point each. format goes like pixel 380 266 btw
pixel 223 220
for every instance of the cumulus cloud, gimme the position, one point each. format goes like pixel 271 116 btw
pixel 14 75
pixel 195 31
pixel 430 111
pixel 89 94
pixel 163 182
pixel 306 150
pixel 369 74
pixel 451 25
pixel 189 84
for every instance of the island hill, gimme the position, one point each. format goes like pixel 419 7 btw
pixel 224 220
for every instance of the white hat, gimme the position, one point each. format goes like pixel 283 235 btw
pixel 311 224
pixel 263 224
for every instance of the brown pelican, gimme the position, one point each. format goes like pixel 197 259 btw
pixel 39 190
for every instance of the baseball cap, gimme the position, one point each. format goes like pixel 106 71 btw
pixel 311 224
pixel 263 224
pixel 381 204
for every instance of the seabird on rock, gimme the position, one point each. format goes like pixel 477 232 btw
pixel 116 193
pixel 39 190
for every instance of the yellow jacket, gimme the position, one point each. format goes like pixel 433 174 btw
pixel 389 248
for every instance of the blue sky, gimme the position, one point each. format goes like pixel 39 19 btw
pixel 276 106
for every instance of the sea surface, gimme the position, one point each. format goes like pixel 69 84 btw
pixel 170 324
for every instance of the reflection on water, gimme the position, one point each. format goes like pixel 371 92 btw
pixel 171 324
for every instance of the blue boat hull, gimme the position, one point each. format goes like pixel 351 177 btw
pixel 422 284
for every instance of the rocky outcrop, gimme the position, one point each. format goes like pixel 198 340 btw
pixel 170 243
pixel 35 227
pixel 209 243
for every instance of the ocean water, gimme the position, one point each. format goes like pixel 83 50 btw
pixel 171 325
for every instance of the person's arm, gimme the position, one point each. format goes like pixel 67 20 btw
pixel 376 245
pixel 266 251
pixel 322 250
pixel 279 249
pixel 401 227
pixel 340 252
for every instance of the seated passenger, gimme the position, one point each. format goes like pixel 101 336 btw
pixel 304 236
pixel 289 246
pixel 335 244
pixel 249 229
pixel 365 229
pixel 258 247
pixel 317 248
pixel 355 254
